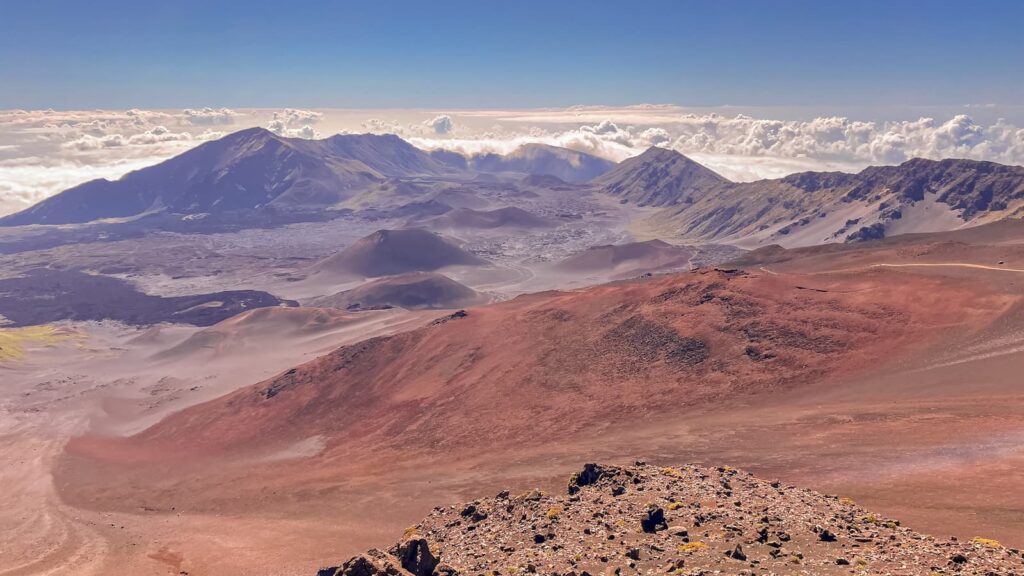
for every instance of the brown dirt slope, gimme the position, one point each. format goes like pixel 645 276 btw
pixel 554 364
pixel 255 328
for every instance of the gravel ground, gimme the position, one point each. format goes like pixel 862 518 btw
pixel 682 521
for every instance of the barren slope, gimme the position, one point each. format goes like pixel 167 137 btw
pixel 508 217
pixel 625 260
pixel 659 177
pixel 412 291
pixel 387 252
pixel 816 207
pixel 516 372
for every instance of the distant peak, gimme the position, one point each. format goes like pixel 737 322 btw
pixel 661 156
pixel 366 136
pixel 254 131
pixel 659 152
pixel 254 134
pixel 918 161
pixel 385 234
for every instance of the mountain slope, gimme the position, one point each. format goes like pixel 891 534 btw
pixel 244 170
pixel 551 364
pixel 507 217
pixel 387 154
pixel 659 177
pixel 543 160
pixel 623 260
pixel 412 291
pixel 818 207
pixel 388 252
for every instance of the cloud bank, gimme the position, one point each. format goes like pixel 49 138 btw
pixel 43 152
pixel 208 116
pixel 829 139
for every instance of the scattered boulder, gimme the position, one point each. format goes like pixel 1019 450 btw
pixel 372 563
pixel 590 474
pixel 415 556
pixel 653 520
pixel 453 316
pixel 737 553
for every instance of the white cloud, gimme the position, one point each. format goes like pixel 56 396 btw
pixel 280 127
pixel 292 117
pixel 441 124
pixel 295 123
pixel 778 145
pixel 25 181
pixel 44 152
pixel 208 116
pixel 155 135
pixel 381 126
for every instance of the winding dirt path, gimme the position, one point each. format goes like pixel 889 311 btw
pixel 903 265
pixel 43 536
pixel 949 265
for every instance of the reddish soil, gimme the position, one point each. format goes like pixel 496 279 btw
pixel 895 386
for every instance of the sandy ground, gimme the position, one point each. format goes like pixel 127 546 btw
pixel 118 379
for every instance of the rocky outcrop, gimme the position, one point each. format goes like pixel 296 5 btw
pixel 411 557
pixel 684 521
pixel 590 474
pixel 414 555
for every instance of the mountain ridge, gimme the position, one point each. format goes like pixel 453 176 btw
pixel 808 208
pixel 248 169
pixel 256 171
pixel 255 168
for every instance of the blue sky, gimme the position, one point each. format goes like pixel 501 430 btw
pixel 70 54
